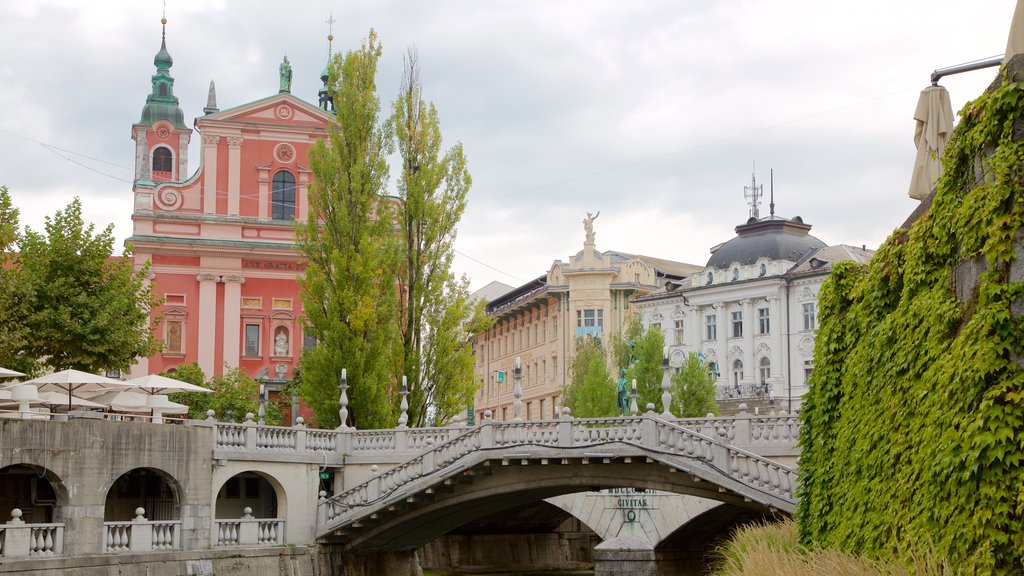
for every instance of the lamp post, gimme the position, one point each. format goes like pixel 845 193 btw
pixel 403 419
pixel 633 409
pixel 343 400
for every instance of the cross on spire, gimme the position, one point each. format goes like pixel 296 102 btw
pixel 330 31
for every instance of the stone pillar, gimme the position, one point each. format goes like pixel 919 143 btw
pixel 232 318
pixel 724 368
pixel 210 174
pixel 183 138
pixel 749 367
pixel 778 338
pixel 263 177
pixel 234 173
pixel 302 195
pixel 207 320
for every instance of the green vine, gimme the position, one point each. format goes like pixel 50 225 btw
pixel 913 435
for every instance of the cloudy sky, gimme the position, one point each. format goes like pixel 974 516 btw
pixel 653 112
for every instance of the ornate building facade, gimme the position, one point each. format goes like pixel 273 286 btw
pixel 751 312
pixel 540 322
pixel 220 241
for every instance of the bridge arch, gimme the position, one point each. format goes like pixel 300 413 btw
pixel 37 491
pixel 494 486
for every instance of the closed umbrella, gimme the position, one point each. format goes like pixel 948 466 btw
pixel 71 381
pixel 934 117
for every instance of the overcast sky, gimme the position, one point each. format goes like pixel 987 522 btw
pixel 653 112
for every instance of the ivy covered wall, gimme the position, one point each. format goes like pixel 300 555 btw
pixel 913 429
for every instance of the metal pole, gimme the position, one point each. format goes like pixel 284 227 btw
pixel 966 67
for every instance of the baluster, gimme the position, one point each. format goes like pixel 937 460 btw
pixel 48 543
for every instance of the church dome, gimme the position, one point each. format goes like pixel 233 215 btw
pixel 773 238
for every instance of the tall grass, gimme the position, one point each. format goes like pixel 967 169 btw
pixel 773 550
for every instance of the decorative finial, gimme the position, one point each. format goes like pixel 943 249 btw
pixel 211 100
pixel 163 17
pixel 771 191
pixel 330 31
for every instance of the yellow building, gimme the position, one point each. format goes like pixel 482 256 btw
pixel 540 322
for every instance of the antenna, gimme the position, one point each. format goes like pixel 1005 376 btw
pixel 771 191
pixel 753 194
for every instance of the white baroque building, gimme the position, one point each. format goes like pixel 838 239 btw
pixel 751 313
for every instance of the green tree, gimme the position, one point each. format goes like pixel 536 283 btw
pixel 437 356
pixel 348 242
pixel 693 389
pixel 13 293
pixel 234 395
pixel 83 308
pixel 639 352
pixel 591 391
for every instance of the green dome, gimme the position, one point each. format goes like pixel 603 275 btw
pixel 162 104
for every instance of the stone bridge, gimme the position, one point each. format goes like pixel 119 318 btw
pixel 501 465
pixel 202 496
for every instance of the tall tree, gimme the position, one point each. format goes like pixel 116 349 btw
pixel 83 308
pixel 13 294
pixel 693 389
pixel 348 242
pixel 435 310
pixel 591 391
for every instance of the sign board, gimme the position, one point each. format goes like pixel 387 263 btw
pixel 501 376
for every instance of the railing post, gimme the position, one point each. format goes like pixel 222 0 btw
pixel 300 435
pixel 487 433
pixel 248 529
pixel 565 439
pixel 321 509
pixel 650 431
pixel 250 433
pixel 344 442
pixel 742 430
pixel 142 532
pixel 16 536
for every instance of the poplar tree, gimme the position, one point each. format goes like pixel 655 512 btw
pixel 12 292
pixel 348 290
pixel 693 389
pixel 591 392
pixel 436 317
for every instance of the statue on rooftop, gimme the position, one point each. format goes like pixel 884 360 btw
pixel 286 76
pixel 588 226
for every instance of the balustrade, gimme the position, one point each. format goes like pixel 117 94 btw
pixel 141 535
pixel 249 531
pixel 19 540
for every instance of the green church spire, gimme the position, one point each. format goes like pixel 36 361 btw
pixel 162 104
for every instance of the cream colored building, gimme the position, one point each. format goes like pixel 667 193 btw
pixel 540 321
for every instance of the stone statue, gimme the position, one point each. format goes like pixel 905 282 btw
pixel 281 343
pixel 588 225
pixel 286 76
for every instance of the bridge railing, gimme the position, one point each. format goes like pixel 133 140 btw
pixel 396 445
pixel 648 431
pixel 21 540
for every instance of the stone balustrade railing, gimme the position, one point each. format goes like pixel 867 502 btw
pixel 21 540
pixel 648 432
pixel 249 531
pixel 395 445
pixel 141 535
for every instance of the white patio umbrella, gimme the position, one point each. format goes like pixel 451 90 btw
pixel 5 373
pixel 157 384
pixel 71 381
pixel 1015 40
pixel 934 117
pixel 135 401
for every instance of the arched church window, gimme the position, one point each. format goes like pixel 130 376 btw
pixel 162 160
pixel 282 199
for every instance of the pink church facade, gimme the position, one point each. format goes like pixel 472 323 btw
pixel 220 242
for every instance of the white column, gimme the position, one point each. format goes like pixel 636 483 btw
pixel 302 195
pixel 722 328
pixel 183 138
pixel 264 189
pixel 232 318
pixel 234 173
pixel 210 175
pixel 207 321
pixel 750 369
pixel 777 341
